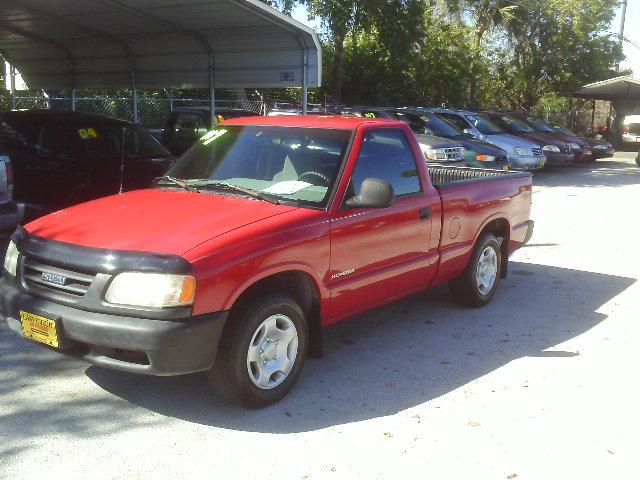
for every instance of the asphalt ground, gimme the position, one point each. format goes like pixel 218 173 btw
pixel 541 384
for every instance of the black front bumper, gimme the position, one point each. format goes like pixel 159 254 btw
pixel 559 158
pixel 140 345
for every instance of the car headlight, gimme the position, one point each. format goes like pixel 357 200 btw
pixel 433 153
pixel 521 152
pixel 574 146
pixel 550 148
pixel 486 158
pixel 157 290
pixel 11 258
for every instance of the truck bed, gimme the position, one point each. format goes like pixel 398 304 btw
pixel 470 198
pixel 443 176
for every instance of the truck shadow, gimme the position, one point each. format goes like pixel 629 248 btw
pixel 399 356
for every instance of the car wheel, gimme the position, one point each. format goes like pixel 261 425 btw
pixel 477 285
pixel 261 352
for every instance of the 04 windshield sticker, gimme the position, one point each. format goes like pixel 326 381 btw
pixel 87 133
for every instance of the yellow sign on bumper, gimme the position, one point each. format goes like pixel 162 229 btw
pixel 39 328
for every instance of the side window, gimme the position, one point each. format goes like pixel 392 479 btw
pixel 386 154
pixel 189 127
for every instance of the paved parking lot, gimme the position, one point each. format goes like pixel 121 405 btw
pixel 542 383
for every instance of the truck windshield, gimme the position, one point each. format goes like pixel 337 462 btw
pixel 287 163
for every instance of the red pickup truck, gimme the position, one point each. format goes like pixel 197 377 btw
pixel 265 231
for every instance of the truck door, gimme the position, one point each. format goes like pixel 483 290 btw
pixel 381 254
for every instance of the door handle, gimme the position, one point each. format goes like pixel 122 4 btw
pixel 424 213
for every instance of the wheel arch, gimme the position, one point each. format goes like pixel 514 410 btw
pixel 301 286
pixel 501 228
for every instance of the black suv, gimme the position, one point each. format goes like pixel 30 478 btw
pixel 63 158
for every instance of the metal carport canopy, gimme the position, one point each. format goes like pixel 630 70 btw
pixel 71 44
pixel 619 88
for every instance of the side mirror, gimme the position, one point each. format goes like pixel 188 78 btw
pixel 374 193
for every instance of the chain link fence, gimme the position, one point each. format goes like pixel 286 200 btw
pixel 152 111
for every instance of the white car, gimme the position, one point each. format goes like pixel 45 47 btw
pixel 631 129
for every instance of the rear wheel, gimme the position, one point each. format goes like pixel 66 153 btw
pixel 261 353
pixel 477 285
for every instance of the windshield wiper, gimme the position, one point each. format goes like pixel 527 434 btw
pixel 245 191
pixel 180 183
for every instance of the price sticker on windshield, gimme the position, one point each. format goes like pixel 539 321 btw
pixel 211 136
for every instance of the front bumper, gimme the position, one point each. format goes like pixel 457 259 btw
pixel 554 158
pixel 528 163
pixel 583 155
pixel 603 152
pixel 139 345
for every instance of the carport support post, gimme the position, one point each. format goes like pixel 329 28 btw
pixel 305 80
pixel 73 99
pixel 12 83
pixel 134 95
pixel 212 97
pixel 593 115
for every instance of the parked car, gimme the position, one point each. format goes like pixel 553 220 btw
pixel 264 232
pixel 522 154
pixel 63 158
pixel 184 126
pixel 579 147
pixel 11 213
pixel 638 159
pixel 476 153
pixel 599 148
pixel 631 129
pixel 556 151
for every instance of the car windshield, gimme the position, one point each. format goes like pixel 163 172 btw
pixel 283 163
pixel 564 130
pixel 484 125
pixel 541 126
pixel 439 126
pixel 518 125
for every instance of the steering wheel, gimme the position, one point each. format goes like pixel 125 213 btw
pixel 326 181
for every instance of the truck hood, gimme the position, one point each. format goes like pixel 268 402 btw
pixel 154 220
pixel 436 142
pixel 480 146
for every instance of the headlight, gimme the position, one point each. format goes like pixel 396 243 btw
pixel 434 153
pixel 11 259
pixel 486 158
pixel 550 148
pixel 151 290
pixel 521 152
pixel 574 146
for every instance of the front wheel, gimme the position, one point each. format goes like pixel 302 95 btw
pixel 477 285
pixel 261 353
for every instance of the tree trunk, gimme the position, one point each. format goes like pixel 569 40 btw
pixel 472 104
pixel 336 69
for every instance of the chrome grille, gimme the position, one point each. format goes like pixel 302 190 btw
pixel 453 153
pixel 74 284
pixel 537 151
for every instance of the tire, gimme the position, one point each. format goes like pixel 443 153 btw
pixel 247 354
pixel 467 289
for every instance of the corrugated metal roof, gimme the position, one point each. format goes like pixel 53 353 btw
pixel 62 44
